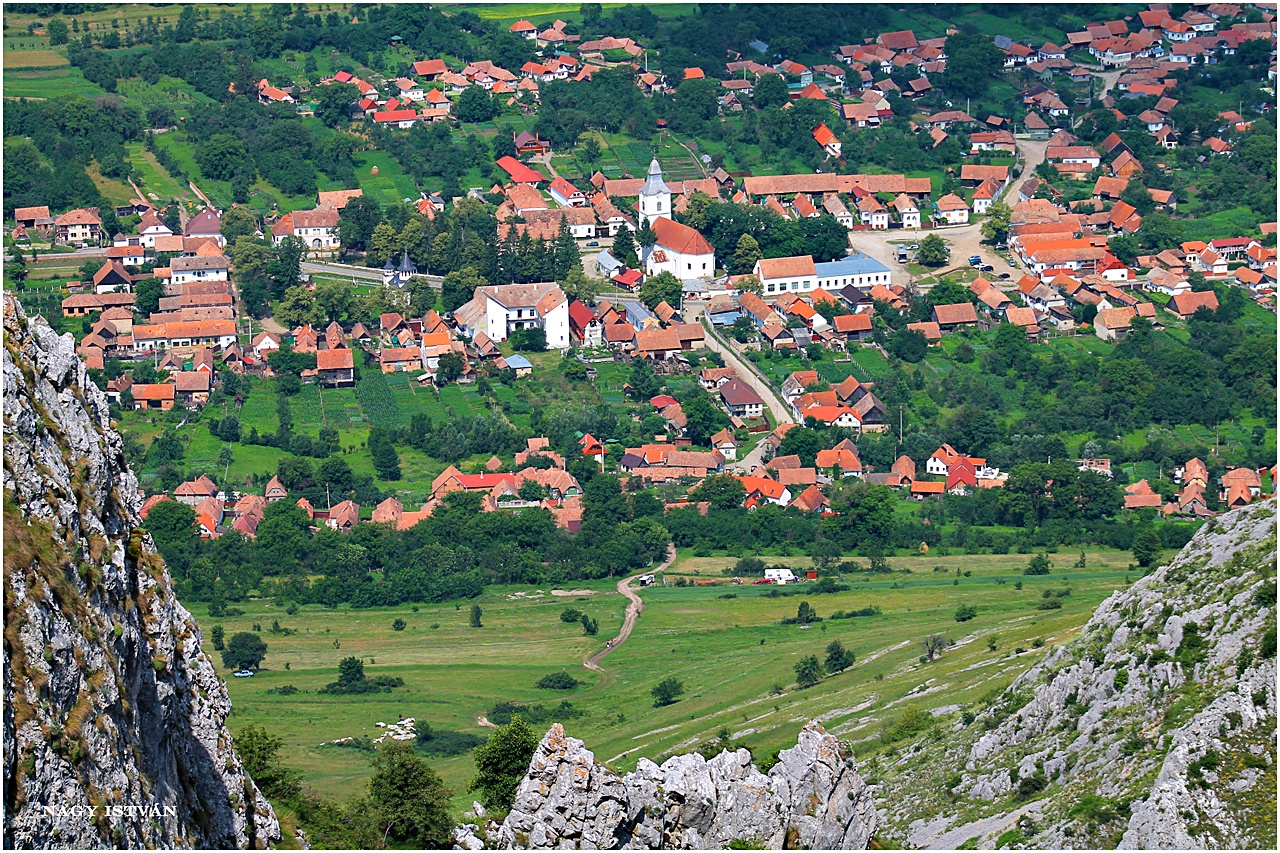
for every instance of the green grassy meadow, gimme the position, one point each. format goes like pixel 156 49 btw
pixel 724 642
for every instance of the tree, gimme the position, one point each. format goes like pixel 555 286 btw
pixel 809 671
pixel 909 345
pixel 285 265
pixel 385 460
pixel 449 368
pixel 666 691
pixel 298 308
pixel 1038 565
pixel 528 340
pixel 382 244
pixel 218 635
pixel 350 671
pixel 409 798
pixel 703 417
pixel 459 287
pixel 624 246
pixel 335 299
pixel 222 157
pixel 244 651
pixel 770 91
pixel 746 254
pixel 645 235
pixel 476 613
pixel 995 228
pixel 838 657
pixel 806 615
pixel 663 287
pixel 644 383
pixel 238 222
pixel 475 104
pixel 825 552
pixel 722 491
pixel 1139 197
pixel 1146 546
pixel 333 101
pixel 57 31
pixel 971 57
pixel 933 251
pixel 502 761
pixel 358 219
pixel 260 753
pixel 933 645
pixel 743 328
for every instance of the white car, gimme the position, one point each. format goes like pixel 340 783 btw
pixel 244 673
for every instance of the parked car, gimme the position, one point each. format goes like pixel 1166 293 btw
pixel 593 242
pixel 975 261
pixel 1000 247
pixel 915 246
pixel 986 268
pixel 1003 275
pixel 1012 262
pixel 244 673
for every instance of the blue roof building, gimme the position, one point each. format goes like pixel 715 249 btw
pixel 858 269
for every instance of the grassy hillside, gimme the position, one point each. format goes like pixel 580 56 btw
pixel 725 642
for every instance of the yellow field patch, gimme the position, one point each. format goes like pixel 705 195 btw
pixel 34 59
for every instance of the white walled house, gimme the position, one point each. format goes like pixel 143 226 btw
pixel 198 268
pixel 679 250
pixel 566 194
pixel 507 307
pixel 782 275
pixel 857 269
pixel 952 210
pixel 908 213
pixel 317 229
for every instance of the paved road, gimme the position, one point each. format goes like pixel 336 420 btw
pixel 1031 155
pixel 746 371
pixel 352 271
pixel 634 608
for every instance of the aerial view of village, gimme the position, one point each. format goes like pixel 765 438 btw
pixel 646 425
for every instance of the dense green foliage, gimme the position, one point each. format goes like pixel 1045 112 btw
pixel 502 761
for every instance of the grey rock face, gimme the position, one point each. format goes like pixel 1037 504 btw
pixel 114 720
pixel 1153 729
pixel 812 798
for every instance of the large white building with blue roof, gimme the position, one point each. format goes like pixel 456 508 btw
pixel 858 269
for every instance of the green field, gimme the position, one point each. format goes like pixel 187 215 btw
pixel 53 83
pixel 730 653
pixel 153 178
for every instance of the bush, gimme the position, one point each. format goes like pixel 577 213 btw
pixel 443 742
pixel 911 722
pixel 557 681
pixel 398 625
pixel 1039 565
pixel 1049 604
pixel 809 671
pixel 965 612
pixel 570 615
pixel 535 715
pixel 666 692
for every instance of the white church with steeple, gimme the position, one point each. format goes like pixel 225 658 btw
pixel 655 197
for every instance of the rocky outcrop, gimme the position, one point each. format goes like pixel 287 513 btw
pixel 812 798
pixel 1153 729
pixel 113 719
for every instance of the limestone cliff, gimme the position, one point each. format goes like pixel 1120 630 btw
pixel 113 719
pixel 1155 728
pixel 813 798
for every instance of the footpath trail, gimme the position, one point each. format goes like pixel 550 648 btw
pixel 635 605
